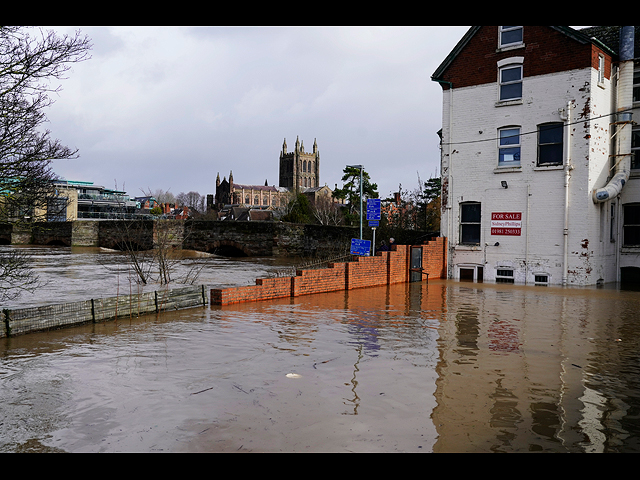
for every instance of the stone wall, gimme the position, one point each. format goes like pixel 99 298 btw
pixel 47 317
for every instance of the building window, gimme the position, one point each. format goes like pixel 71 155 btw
pixel 504 275
pixel 510 36
pixel 470 223
pixel 631 226
pixel 635 149
pixel 550 144
pixel 511 82
pixel 600 68
pixel 541 280
pixel 509 147
pixel 636 86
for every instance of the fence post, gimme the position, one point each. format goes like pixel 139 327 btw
pixel 7 323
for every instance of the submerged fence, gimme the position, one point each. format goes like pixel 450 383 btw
pixel 32 319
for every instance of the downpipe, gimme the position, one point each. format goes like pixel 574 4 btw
pixel 567 176
pixel 622 151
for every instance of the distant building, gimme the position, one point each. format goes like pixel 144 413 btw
pixel 299 173
pixel 230 193
pixel 299 169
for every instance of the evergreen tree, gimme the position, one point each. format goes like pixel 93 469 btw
pixel 350 193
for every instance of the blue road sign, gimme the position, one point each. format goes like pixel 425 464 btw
pixel 373 209
pixel 360 247
pixel 374 223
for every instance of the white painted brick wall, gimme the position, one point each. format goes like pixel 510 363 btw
pixel 537 193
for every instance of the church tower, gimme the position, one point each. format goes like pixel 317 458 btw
pixel 299 170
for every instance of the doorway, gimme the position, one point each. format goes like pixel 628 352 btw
pixel 415 271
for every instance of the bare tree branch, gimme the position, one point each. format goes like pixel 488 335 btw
pixel 29 62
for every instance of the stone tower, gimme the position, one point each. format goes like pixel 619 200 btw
pixel 299 169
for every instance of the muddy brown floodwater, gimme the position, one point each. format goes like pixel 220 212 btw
pixel 424 367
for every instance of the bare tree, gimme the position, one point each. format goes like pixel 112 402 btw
pixel 29 62
pixel 161 196
pixel 326 211
pixel 193 200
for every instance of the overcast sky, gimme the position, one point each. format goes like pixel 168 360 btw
pixel 171 107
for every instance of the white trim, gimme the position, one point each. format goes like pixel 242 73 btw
pixel 510 60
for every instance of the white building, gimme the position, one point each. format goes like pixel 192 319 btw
pixel 540 179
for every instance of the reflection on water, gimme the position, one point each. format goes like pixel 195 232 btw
pixel 437 367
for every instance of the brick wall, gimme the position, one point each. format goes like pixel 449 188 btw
pixel 547 51
pixel 382 269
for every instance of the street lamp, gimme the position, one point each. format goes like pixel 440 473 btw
pixel 360 167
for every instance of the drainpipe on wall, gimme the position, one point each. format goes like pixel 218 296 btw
pixel 567 175
pixel 449 175
pixel 622 151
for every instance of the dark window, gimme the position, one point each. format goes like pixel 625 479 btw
pixel 541 280
pixel 550 144
pixel 470 223
pixel 635 149
pixel 504 276
pixel 631 227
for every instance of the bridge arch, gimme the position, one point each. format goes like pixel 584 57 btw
pixel 228 248
pixel 57 242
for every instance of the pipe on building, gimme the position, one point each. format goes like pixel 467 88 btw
pixel 622 151
pixel 567 176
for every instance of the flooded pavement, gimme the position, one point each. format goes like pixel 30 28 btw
pixel 424 367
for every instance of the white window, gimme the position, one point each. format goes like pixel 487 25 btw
pixel 510 36
pixel 509 147
pixel 511 82
pixel 600 68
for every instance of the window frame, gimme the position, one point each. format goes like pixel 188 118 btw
pixel 507 30
pixel 635 148
pixel 504 85
pixel 601 66
pixel 503 147
pixel 544 146
pixel 627 226
pixel 505 275
pixel 468 227
pixel 541 279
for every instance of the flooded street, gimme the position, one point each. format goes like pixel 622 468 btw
pixel 423 367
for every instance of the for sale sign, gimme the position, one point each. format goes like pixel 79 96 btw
pixel 506 223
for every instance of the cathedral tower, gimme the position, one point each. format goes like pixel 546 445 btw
pixel 299 170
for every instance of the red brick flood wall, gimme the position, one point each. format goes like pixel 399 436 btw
pixel 382 269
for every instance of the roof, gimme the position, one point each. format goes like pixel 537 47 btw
pixel 609 36
pixel 255 187
pixel 605 37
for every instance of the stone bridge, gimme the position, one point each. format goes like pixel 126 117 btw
pixel 222 238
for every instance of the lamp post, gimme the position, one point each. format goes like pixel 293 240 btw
pixel 360 167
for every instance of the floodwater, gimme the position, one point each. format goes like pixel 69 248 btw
pixel 424 367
